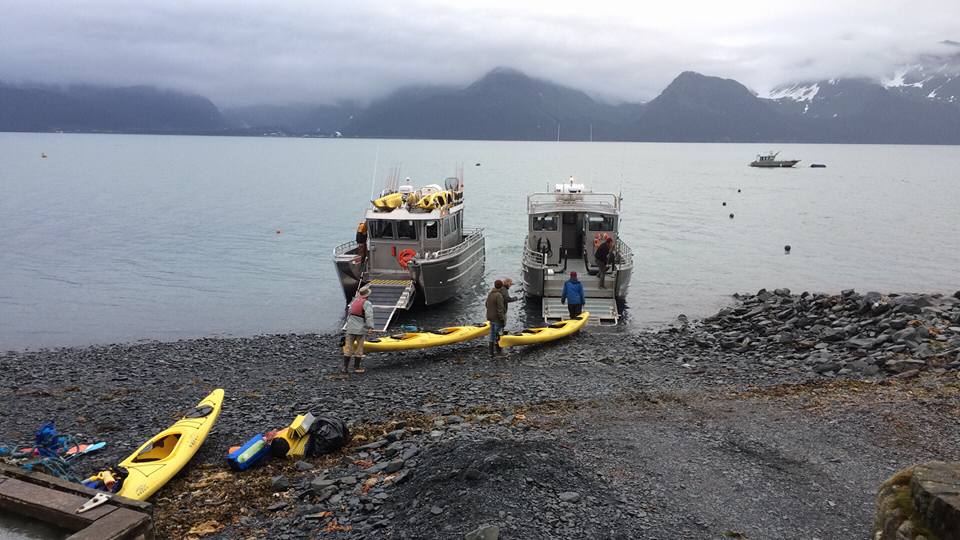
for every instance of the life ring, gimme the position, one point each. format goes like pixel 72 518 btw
pixel 600 238
pixel 405 256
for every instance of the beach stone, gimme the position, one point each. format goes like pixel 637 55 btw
pixel 832 335
pixel 860 343
pixel 569 496
pixel 483 532
pixel 279 483
pixel 276 507
pixel 826 367
pixel 318 484
pixel 393 466
pixel 906 333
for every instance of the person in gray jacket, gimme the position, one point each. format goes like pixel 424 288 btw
pixel 359 324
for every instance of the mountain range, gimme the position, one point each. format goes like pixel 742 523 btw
pixel 919 103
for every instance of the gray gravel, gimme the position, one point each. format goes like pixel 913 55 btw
pixel 709 428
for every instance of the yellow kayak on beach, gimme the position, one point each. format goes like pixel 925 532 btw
pixel 155 463
pixel 543 334
pixel 427 338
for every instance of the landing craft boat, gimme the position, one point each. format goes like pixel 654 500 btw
pixel 770 160
pixel 565 227
pixel 416 246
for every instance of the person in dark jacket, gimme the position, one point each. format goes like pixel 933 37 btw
pixel 497 315
pixel 603 259
pixel 573 295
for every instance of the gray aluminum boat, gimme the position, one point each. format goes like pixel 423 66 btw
pixel 770 160
pixel 564 229
pixel 413 251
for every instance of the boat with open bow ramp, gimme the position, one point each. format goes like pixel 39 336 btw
pixel 412 244
pixel 565 228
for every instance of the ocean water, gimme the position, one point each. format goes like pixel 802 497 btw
pixel 128 237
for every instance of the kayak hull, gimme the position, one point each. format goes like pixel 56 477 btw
pixel 424 340
pixel 160 458
pixel 543 334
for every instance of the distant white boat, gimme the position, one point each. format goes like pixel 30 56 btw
pixel 770 160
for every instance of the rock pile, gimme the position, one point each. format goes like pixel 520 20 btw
pixel 868 334
pixel 458 477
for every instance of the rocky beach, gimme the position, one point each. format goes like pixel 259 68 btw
pixel 778 417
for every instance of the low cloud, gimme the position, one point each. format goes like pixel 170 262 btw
pixel 320 52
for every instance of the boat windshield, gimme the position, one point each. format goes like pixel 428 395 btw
pixel 406 230
pixel 380 228
pixel 545 223
pixel 601 222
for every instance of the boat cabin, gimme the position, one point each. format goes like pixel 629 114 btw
pixel 571 224
pixel 401 231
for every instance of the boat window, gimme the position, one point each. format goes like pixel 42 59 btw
pixel 601 222
pixel 406 230
pixel 381 228
pixel 431 229
pixel 545 223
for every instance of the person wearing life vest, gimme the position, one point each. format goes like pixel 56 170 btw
pixel 603 259
pixel 359 324
pixel 362 242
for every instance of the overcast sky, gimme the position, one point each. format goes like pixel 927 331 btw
pixel 243 52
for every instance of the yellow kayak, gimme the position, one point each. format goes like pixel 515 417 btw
pixel 544 334
pixel 426 339
pixel 389 202
pixel 155 463
pixel 435 200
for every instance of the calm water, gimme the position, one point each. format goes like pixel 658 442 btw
pixel 120 238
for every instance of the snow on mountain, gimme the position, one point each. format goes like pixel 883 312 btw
pixel 795 92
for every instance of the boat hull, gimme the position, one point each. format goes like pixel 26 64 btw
pixel 439 280
pixel 774 164
pixel 349 272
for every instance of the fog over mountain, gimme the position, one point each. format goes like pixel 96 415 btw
pixel 313 52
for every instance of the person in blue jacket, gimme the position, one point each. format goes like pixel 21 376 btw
pixel 573 295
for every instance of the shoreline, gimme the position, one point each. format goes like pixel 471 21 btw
pixel 708 426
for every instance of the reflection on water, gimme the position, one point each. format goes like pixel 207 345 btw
pixel 17 527
pixel 126 237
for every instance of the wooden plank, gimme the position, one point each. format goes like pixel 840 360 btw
pixel 69 487
pixel 48 505
pixel 119 524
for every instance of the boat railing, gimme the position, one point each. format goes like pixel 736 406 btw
pixel 345 247
pixel 472 237
pixel 532 258
pixel 624 254
pixel 573 199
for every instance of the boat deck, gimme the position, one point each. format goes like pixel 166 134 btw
pixel 601 303
pixel 387 296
